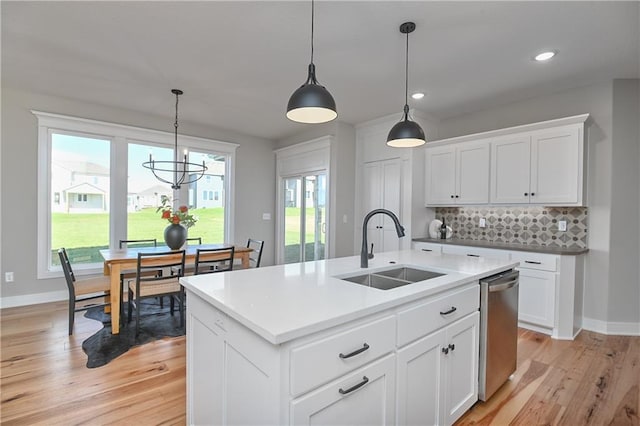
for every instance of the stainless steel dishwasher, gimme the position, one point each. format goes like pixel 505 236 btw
pixel 498 331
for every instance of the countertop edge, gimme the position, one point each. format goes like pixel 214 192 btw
pixel 561 251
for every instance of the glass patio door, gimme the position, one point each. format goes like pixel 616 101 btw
pixel 305 217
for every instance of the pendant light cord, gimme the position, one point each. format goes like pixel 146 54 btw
pixel 175 125
pixel 312 19
pixel 406 81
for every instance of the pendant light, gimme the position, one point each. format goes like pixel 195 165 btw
pixel 406 133
pixel 311 102
pixel 183 172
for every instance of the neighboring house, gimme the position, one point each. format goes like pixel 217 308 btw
pixel 293 196
pixel 150 197
pixel 208 192
pixel 79 187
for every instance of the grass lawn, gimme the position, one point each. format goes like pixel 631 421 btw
pixel 83 235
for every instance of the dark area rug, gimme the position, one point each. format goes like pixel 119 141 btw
pixel 155 323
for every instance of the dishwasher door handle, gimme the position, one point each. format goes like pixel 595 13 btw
pixel 503 286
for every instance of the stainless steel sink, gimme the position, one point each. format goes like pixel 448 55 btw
pixel 392 278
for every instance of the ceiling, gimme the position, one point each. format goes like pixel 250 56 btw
pixel 238 61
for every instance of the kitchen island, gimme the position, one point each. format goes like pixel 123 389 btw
pixel 297 344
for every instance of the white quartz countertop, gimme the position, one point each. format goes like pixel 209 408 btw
pixel 284 302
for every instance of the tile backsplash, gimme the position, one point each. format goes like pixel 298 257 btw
pixel 515 224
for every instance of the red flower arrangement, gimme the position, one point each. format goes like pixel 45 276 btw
pixel 180 216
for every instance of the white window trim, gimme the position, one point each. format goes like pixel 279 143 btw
pixel 119 135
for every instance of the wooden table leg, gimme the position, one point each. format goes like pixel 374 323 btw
pixel 245 260
pixel 115 298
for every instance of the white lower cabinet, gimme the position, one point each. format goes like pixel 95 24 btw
pixel 364 397
pixel 413 364
pixel 536 301
pixel 438 375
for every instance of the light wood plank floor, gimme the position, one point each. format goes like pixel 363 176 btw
pixel 593 380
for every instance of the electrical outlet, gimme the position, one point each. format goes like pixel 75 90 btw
pixel 8 277
pixel 562 225
pixel 266 216
pixel 483 222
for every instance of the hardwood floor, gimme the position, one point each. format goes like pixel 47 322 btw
pixel 593 380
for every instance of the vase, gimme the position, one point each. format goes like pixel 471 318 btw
pixel 175 236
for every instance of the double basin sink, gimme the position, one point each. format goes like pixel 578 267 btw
pixel 392 278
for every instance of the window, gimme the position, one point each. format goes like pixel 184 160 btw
pixel 79 168
pixel 204 195
pixel 216 196
pixel 93 190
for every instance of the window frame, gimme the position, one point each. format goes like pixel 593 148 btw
pixel 119 136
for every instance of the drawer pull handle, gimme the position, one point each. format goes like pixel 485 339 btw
pixel 427 250
pixel 364 381
pixel 450 311
pixel 445 351
pixel 532 262
pixel 452 347
pixel 354 353
pixel 473 255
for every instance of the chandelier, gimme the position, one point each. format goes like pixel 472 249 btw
pixel 183 172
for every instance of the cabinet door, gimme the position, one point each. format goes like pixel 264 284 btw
pixel 420 397
pixel 440 176
pixel 472 173
pixel 536 303
pixel 556 166
pixel 510 163
pixel 341 403
pixel 461 366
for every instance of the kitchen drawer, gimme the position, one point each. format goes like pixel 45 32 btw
pixel 427 317
pixel 323 360
pixel 540 261
pixel 476 252
pixel 429 247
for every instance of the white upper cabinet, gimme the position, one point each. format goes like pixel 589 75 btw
pixel 539 163
pixel 457 174
pixel 557 160
pixel 542 167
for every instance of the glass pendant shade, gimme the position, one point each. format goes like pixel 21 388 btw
pixel 311 102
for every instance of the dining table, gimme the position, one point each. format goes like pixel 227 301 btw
pixel 117 260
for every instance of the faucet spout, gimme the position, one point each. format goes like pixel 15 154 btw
pixel 364 258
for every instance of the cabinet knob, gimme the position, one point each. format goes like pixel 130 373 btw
pixel 526 194
pixel 457 196
pixel 445 351
pixel 452 196
pixel 533 193
pixel 452 347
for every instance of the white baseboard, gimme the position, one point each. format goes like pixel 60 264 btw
pixel 33 299
pixel 611 328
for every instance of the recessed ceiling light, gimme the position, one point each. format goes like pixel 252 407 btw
pixel 545 56
pixel 418 95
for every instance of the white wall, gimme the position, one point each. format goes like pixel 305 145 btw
pixel 254 188
pixel 602 296
pixel 624 277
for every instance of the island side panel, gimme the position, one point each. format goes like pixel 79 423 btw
pixel 229 369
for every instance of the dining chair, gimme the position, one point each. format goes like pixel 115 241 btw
pixel 214 260
pixel 149 284
pixel 83 290
pixel 131 273
pixel 138 243
pixel 256 255
pixel 195 240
